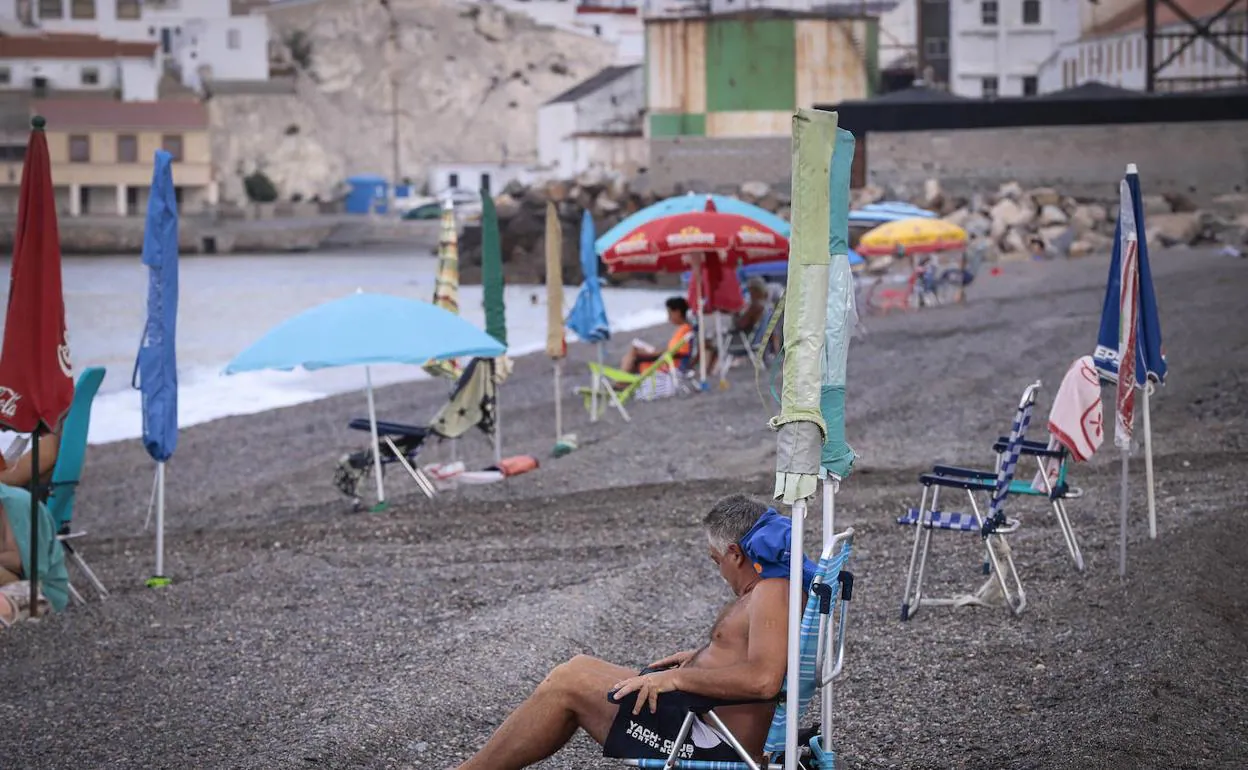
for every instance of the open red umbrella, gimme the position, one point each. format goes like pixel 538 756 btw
pixel 671 244
pixel 36 381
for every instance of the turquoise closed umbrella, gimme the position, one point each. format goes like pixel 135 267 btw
pixel 361 330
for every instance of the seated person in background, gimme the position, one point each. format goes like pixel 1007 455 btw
pixel 749 318
pixel 18 475
pixel 10 556
pixel 641 356
pixel 745 658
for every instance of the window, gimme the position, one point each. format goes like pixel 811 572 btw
pixel 1031 11
pixel 1030 85
pixel 936 47
pixel 127 148
pixel 6 76
pixel 988 13
pixel 234 39
pixel 90 76
pixel 79 149
pixel 51 9
pixel 82 9
pixel 452 180
pixel 172 144
pixel 1130 51
pixel 485 182
pixel 128 9
pixel 989 87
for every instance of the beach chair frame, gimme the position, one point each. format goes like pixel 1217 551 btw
pixel 665 378
pixel 992 527
pixel 70 458
pixel 825 618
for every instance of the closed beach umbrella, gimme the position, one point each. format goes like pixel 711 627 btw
pixel 36 379
pixel 446 281
pixel 555 345
pixel 800 425
pixel 492 292
pixel 913 236
pixel 361 330
pixel 588 317
pixel 156 370
pixel 837 456
pixel 686 204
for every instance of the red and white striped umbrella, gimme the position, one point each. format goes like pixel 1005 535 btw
pixel 1128 326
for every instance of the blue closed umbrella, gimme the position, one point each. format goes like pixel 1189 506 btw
pixel 156 369
pixel 684 204
pixel 361 330
pixel 588 317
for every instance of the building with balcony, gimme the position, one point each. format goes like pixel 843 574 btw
pixel 102 151
pixel 39 65
pixel 198 41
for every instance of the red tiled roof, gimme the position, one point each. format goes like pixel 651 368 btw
pixel 64 46
pixel 1134 17
pixel 66 114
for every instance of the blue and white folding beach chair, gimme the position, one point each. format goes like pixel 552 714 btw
pixel 822 647
pixel 992 529
pixel 70 457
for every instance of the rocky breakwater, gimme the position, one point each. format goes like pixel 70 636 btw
pixel 1011 219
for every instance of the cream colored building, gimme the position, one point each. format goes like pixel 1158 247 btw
pixel 102 153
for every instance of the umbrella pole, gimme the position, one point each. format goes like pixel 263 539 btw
pixel 829 508
pixel 697 298
pixel 498 429
pixel 797 604
pixel 558 402
pixel 33 562
pixel 372 425
pixel 1122 518
pixel 1148 465
pixel 160 522
pixel 593 395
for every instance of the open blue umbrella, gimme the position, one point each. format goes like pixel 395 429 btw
pixel 780 267
pixel 887 211
pixel 156 369
pixel 588 317
pixel 684 204
pixel 1150 363
pixel 361 330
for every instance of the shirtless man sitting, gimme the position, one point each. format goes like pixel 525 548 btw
pixel 744 659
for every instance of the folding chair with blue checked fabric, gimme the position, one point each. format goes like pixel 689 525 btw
pixel 822 646
pixel 992 529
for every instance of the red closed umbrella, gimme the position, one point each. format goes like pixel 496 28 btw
pixel 671 244
pixel 36 381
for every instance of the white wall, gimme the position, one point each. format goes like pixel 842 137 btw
pixel 1008 50
pixel 556 152
pixel 1121 60
pixel 469 176
pixel 62 74
pixel 140 80
pixel 898 34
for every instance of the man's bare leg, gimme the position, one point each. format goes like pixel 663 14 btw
pixel 629 362
pixel 573 695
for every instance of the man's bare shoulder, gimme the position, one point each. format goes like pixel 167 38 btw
pixel 771 590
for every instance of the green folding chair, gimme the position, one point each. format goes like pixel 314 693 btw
pixel 665 377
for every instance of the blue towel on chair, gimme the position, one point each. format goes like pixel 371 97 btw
pixel 768 544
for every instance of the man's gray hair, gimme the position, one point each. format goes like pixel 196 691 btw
pixel 730 519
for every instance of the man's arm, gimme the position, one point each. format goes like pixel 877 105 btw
pixel 762 674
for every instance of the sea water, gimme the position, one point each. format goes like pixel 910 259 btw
pixel 227 303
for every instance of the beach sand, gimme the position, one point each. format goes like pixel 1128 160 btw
pixel 300 635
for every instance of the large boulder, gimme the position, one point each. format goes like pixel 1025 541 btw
pixel 1045 196
pixel 1182 228
pixel 754 191
pixel 1052 215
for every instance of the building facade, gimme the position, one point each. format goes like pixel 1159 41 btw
pixel 197 41
pixel 595 124
pixel 41 65
pixel 997 47
pixel 102 153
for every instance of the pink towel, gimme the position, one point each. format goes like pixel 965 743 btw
pixel 1077 416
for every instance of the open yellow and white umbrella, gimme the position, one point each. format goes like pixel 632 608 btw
pixel 912 236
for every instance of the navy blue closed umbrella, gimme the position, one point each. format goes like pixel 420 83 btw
pixel 156 370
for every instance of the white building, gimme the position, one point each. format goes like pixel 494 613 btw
pixel 1113 52
pixel 997 47
pixel 615 21
pixel 198 40
pixel 595 124
pixel 39 65
pixel 468 177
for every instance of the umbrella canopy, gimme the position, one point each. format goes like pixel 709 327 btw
pixel 156 370
pixel 686 204
pixel 672 243
pixel 838 456
pixel 555 347
pixel 914 236
pixel 887 211
pixel 492 271
pixel 720 290
pixel 363 329
pixel 1150 361
pixel 36 380
pixel 802 430
pixel 588 317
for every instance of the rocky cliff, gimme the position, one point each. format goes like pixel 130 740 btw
pixel 469 82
